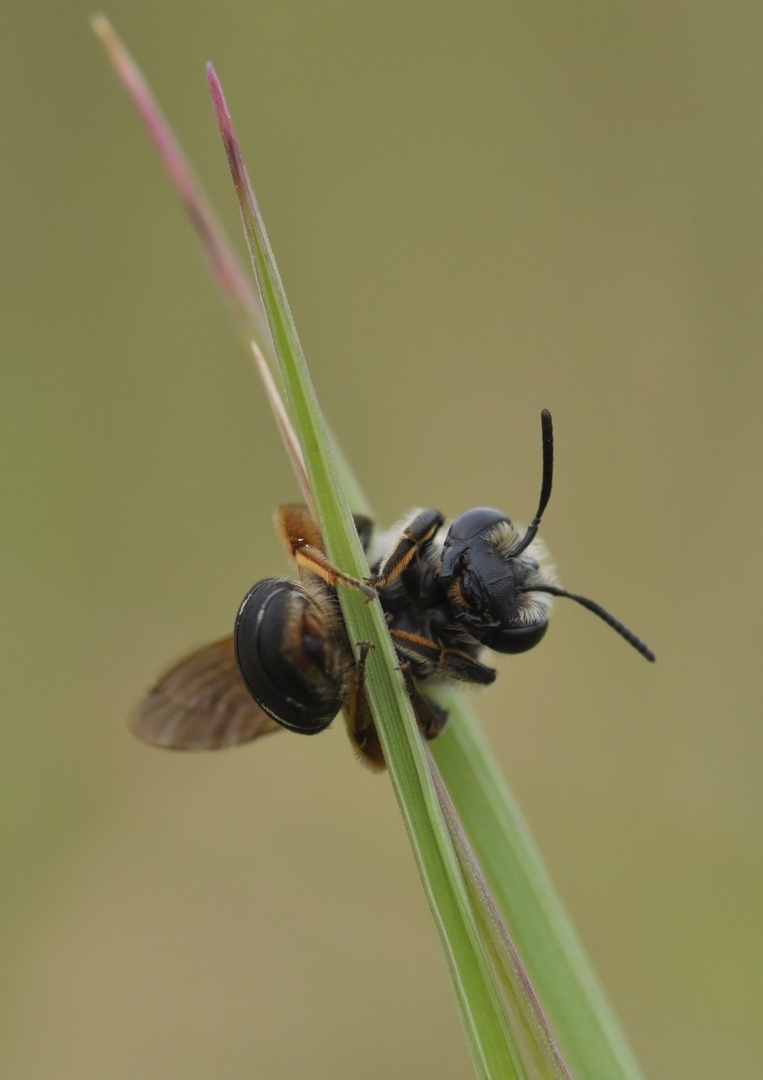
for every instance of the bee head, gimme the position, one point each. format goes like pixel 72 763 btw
pixel 486 570
pixel 494 579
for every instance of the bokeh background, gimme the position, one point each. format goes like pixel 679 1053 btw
pixel 478 210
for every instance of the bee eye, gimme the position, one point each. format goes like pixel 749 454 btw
pixel 516 639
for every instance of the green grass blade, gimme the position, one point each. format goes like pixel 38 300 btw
pixel 594 1044
pixel 480 1004
pixel 512 973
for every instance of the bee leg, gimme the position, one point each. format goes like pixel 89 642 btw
pixel 310 558
pixel 416 649
pixel 433 659
pixel 360 723
pixel 431 717
pixel 416 535
pixel 460 666
pixel 302 539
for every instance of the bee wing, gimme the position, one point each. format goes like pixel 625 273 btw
pixel 201 704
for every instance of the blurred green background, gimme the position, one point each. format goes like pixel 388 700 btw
pixel 478 210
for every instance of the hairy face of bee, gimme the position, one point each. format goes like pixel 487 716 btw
pixel 291 652
pixel 487 574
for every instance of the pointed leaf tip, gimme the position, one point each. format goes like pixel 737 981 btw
pixel 240 176
pixel 218 97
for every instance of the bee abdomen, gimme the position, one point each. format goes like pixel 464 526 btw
pixel 289 654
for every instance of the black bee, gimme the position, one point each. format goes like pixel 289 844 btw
pixel 448 591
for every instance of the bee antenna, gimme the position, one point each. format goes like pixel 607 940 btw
pixel 547 436
pixel 619 627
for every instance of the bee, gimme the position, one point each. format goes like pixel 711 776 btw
pixel 448 591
